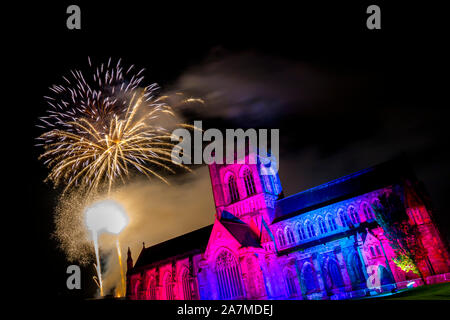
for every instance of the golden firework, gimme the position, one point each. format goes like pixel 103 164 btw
pixel 102 131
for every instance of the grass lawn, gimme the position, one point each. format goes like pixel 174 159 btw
pixel 439 291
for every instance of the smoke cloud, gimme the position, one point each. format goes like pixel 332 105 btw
pixel 251 89
pixel 156 211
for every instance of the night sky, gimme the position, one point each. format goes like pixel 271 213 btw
pixel 343 97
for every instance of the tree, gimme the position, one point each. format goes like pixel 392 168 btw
pixel 403 237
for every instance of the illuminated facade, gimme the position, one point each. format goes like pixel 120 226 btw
pixel 323 243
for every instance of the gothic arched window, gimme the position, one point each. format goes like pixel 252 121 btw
pixel 344 218
pixel 168 284
pixel 228 276
pixel 151 290
pixel 281 239
pixel 290 283
pixel 232 189
pixel 290 236
pixel 417 216
pixel 354 215
pixel 331 222
pixel 186 284
pixel 301 232
pixel 322 226
pixel 249 182
pixel 357 268
pixel 137 290
pixel 335 274
pixel 376 204
pixel 378 250
pixel 368 212
pixel 309 278
pixel 310 229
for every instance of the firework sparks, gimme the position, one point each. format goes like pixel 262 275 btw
pixel 102 126
pixel 106 216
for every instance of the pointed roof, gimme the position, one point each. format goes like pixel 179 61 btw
pixel 240 230
pixel 265 236
pixel 416 195
pixel 368 236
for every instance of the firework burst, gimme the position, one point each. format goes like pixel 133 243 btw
pixel 102 126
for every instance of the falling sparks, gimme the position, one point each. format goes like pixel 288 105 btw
pixel 106 216
pixel 103 125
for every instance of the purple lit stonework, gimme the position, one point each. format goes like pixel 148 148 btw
pixel 322 243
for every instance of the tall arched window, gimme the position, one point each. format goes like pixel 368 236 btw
pixel 301 232
pixel 376 204
pixel 385 276
pixel 331 222
pixel 290 283
pixel 322 226
pixel 335 274
pixel 344 218
pixel 168 284
pixel 378 250
pixel 309 278
pixel 310 229
pixel 281 239
pixel 186 284
pixel 232 188
pixel 357 270
pixel 354 215
pixel 417 216
pixel 290 236
pixel 249 182
pixel 368 212
pixel 228 276
pixel 137 290
pixel 151 290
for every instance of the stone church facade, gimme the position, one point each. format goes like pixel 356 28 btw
pixel 322 243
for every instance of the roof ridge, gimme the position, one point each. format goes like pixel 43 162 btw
pixel 348 176
pixel 373 178
pixel 177 237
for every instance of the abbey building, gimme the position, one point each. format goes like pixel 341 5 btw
pixel 323 243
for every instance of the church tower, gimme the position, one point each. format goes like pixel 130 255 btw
pixel 129 269
pixel 244 191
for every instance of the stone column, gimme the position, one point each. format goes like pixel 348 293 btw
pixel 158 284
pixel 358 247
pixel 264 261
pixel 193 280
pixel 301 295
pixel 343 268
pixel 141 291
pixel 319 277
pixel 174 281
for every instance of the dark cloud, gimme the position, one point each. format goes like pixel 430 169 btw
pixel 253 89
pixel 332 120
